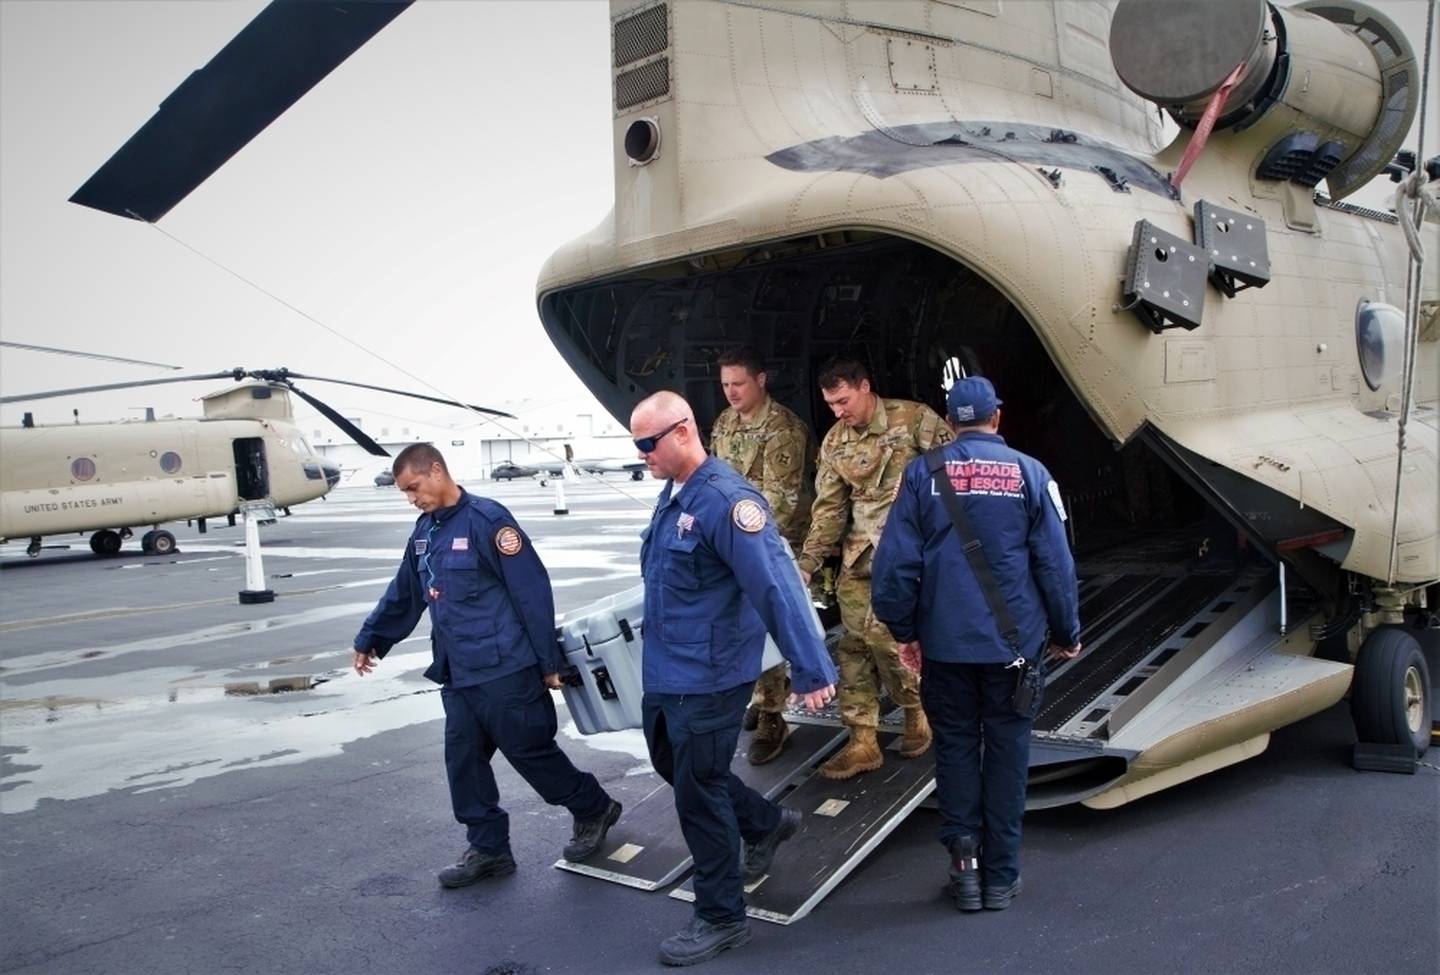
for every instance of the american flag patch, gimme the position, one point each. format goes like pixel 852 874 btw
pixel 460 544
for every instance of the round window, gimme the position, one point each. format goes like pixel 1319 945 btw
pixel 170 462
pixel 1380 341
pixel 82 468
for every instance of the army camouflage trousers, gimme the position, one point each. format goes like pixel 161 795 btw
pixel 868 657
pixel 771 690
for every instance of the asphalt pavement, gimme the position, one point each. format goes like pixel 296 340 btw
pixel 167 808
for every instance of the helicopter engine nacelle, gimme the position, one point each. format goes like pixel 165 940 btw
pixel 1327 89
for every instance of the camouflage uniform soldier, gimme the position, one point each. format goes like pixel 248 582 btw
pixel 771 448
pixel 862 461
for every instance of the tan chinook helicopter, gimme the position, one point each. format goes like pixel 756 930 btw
pixel 110 478
pixel 1232 376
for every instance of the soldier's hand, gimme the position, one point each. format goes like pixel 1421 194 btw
pixel 364 661
pixel 1058 652
pixel 552 681
pixel 815 700
pixel 910 656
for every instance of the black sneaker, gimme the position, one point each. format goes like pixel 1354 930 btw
pixel 756 858
pixel 998 898
pixel 590 833
pixel 964 885
pixel 701 940
pixel 475 865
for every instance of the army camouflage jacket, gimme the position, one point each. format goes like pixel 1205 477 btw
pixel 859 474
pixel 776 453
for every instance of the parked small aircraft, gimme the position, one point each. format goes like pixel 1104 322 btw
pixel 109 478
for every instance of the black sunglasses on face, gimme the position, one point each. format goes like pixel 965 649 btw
pixel 648 444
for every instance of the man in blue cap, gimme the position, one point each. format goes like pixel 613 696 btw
pixel 977 624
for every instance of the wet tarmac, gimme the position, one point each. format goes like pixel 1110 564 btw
pixel 188 784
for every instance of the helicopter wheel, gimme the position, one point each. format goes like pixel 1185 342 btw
pixel 147 542
pixel 161 542
pixel 105 542
pixel 1390 697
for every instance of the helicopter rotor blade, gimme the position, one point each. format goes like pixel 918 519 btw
pixel 267 67
pixel 351 430
pixel 87 355
pixel 402 392
pixel 236 374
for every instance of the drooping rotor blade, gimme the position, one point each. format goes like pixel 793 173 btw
pixel 235 374
pixel 351 430
pixel 87 355
pixel 402 392
pixel 266 68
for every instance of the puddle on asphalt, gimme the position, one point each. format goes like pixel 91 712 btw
pixel 73 745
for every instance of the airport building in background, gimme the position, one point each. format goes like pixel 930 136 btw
pixel 473 445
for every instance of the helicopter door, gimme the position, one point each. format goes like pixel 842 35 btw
pixel 252 476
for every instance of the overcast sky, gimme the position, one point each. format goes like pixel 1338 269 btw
pixel 408 201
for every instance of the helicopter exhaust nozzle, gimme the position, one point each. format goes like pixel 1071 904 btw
pixel 1327 88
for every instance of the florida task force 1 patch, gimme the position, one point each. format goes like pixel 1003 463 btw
pixel 748 515
pixel 508 541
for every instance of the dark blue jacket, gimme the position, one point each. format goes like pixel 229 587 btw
pixel 922 586
pixel 717 577
pixel 491 609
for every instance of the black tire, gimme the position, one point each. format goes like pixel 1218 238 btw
pixel 147 542
pixel 163 543
pixel 1390 698
pixel 106 542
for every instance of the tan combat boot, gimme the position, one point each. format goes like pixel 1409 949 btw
pixel 769 740
pixel 860 754
pixel 917 733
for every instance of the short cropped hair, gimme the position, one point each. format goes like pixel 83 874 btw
pixel 843 369
pixel 417 458
pixel 743 355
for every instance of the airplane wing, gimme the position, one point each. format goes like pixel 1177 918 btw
pixel 266 68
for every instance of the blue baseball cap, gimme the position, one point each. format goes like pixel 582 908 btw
pixel 971 400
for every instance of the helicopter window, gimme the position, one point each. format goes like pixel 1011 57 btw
pixel 82 468
pixel 170 462
pixel 1379 339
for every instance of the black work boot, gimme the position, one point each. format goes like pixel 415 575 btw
pixel 476 865
pixel 964 885
pixel 769 739
pixel 590 833
pixel 701 940
pixel 757 857
pixel 997 898
pixel 751 720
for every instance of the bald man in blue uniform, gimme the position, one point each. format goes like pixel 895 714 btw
pixel 492 634
pixel 718 576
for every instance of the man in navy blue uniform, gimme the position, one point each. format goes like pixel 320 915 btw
pixel 717 577
pixel 492 635
pixel 926 592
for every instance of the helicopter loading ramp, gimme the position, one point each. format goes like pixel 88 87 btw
pixel 1185 670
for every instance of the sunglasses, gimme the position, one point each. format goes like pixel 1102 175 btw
pixel 648 444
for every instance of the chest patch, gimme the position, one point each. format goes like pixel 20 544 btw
pixel 683 524
pixel 508 541
pixel 748 515
pixel 461 544
pixel 421 544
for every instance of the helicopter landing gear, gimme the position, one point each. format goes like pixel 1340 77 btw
pixel 105 542
pixel 157 542
pixel 33 549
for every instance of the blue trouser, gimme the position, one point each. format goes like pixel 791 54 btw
pixel 515 714
pixel 692 738
pixel 982 759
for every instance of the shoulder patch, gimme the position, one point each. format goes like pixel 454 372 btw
pixel 748 515
pixel 1054 490
pixel 508 541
